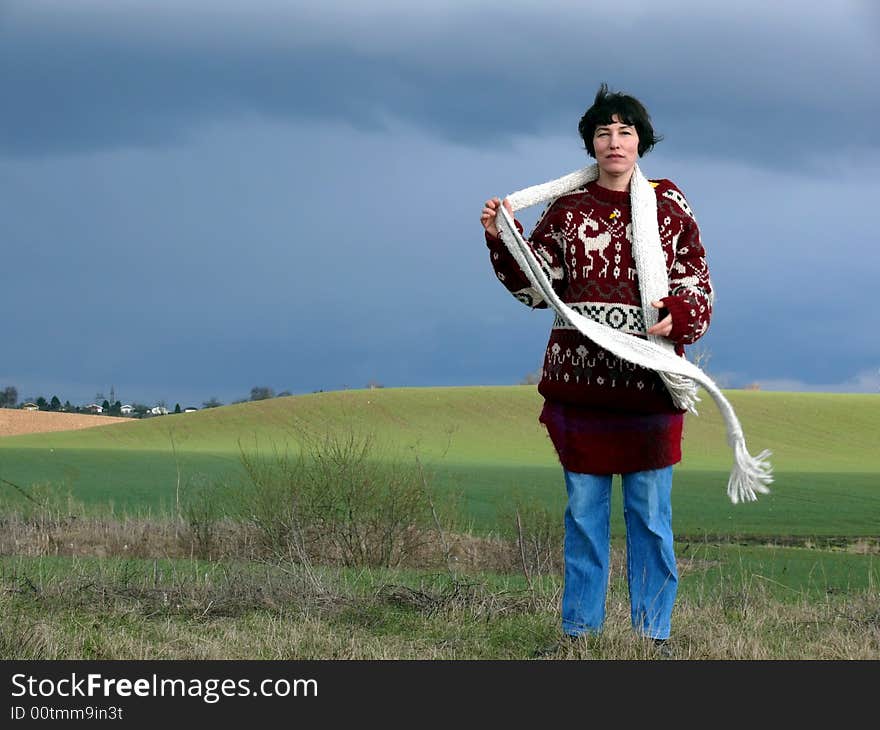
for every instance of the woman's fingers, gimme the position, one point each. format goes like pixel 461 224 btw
pixel 663 327
pixel 489 213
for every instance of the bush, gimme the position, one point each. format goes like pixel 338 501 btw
pixel 202 510
pixel 336 499
pixel 540 534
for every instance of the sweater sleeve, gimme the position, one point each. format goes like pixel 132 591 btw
pixel 691 296
pixel 544 244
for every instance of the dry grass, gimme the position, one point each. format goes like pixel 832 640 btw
pixel 130 537
pixel 195 610
pixel 160 602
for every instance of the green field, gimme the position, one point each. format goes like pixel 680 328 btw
pixel 485 444
pixel 793 575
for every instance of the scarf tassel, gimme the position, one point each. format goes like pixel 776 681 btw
pixel 750 474
pixel 683 391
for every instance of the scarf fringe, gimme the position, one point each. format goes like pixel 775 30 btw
pixel 683 391
pixel 750 474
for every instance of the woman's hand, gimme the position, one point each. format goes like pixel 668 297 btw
pixel 490 210
pixel 664 326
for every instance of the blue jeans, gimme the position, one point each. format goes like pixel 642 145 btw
pixel 651 573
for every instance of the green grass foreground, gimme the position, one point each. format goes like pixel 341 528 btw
pixel 97 560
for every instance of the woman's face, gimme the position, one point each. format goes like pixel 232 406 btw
pixel 616 146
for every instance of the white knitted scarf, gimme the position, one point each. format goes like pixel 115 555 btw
pixel 750 474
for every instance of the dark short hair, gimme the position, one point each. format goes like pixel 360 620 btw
pixel 628 109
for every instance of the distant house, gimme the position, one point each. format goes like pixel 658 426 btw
pixel 190 409
pixel 159 411
pixel 30 406
pixel 126 410
pixel 94 408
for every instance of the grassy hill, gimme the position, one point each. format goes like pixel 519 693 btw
pixel 486 443
pixel 752 584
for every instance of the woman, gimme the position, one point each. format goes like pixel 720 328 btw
pixel 606 415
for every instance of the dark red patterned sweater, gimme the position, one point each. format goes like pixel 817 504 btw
pixel 603 414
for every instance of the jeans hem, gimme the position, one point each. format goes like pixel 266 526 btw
pixel 662 635
pixel 579 630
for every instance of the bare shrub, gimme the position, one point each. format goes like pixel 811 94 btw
pixel 540 533
pixel 202 510
pixel 337 499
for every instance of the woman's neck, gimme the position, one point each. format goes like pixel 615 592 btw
pixel 615 182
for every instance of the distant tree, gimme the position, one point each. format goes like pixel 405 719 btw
pixel 262 392
pixel 106 406
pixel 700 355
pixel 116 408
pixel 284 394
pixel 55 404
pixel 8 397
pixel 67 407
pixel 532 378
pixel 42 403
pixel 138 410
pixel 177 408
pixel 212 403
pixel 12 396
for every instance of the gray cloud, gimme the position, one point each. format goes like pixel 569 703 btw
pixel 744 82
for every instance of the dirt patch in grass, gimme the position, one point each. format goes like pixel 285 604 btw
pixel 14 422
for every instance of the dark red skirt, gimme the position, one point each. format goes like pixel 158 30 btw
pixel 591 441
